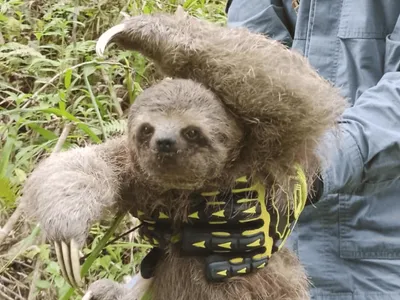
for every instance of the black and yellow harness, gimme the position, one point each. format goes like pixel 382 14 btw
pixel 251 227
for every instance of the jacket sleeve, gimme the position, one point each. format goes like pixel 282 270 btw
pixel 264 16
pixel 369 149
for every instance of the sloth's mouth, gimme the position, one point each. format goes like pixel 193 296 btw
pixel 165 164
pixel 176 170
pixel 166 158
pixel 172 181
pixel 175 176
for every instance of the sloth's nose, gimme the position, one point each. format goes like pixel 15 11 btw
pixel 166 145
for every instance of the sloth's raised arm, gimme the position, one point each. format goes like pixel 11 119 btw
pixel 286 103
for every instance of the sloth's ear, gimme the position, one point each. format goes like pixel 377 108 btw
pixel 180 12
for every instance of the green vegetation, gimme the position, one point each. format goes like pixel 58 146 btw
pixel 51 79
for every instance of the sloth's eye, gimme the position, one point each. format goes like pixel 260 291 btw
pixel 147 129
pixel 192 134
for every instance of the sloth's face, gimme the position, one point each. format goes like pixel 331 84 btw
pixel 182 134
pixel 172 151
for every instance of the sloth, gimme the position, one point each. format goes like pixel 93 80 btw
pixel 235 103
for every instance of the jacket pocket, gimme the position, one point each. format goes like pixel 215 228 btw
pixel 369 222
pixel 367 19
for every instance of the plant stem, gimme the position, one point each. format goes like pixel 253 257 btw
pixel 96 107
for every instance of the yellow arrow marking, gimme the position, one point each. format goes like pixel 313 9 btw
pixel 200 244
pixel 261 266
pixel 225 245
pixel 223 273
pixel 194 215
pixel 255 243
pixel 162 216
pixel 219 213
pixel 251 210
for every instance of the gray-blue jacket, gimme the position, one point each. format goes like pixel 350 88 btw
pixel 350 241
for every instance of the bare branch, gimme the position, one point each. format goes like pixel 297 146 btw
pixel 62 138
pixel 6 289
pixel 5 231
pixel 3 295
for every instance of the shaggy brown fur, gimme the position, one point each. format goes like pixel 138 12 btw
pixel 283 279
pixel 257 109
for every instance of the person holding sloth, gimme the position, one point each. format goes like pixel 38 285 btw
pixel 348 240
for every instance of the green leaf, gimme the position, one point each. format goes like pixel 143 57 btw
pixel 189 3
pixel 61 105
pixel 53 268
pixel 47 134
pixel 89 70
pixel 7 150
pixel 59 281
pixel 21 175
pixel 43 284
pixel 7 191
pixel 60 113
pixel 82 126
pixel 67 78
pixel 104 261
pixel 92 97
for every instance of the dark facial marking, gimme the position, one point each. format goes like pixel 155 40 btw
pixel 194 135
pixel 145 132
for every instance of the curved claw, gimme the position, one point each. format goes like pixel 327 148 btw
pixel 61 263
pixel 88 295
pixel 106 38
pixel 68 259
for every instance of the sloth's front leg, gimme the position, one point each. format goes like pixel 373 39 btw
pixel 70 191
